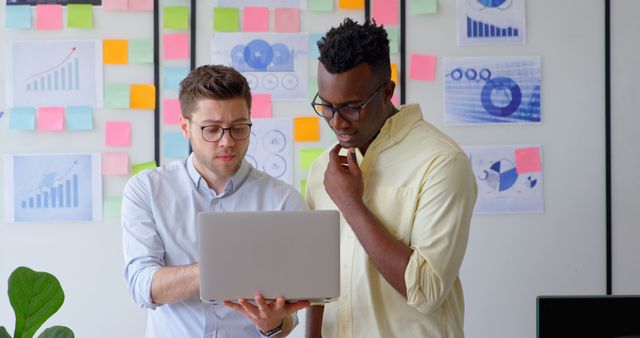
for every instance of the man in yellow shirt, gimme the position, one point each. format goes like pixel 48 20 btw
pixel 405 192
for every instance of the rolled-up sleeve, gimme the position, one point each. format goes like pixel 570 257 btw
pixel 142 246
pixel 440 231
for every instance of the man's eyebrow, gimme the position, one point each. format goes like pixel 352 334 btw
pixel 341 104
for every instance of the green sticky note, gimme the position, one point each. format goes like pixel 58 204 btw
pixel 175 17
pixel 116 96
pixel 141 51
pixel 307 156
pixel 136 168
pixel 303 186
pixel 79 16
pixel 320 5
pixel 313 87
pixel 226 19
pixel 423 6
pixel 392 34
pixel 112 206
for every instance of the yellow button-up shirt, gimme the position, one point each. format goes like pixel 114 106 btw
pixel 419 184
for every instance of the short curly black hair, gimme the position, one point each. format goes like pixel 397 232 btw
pixel 351 44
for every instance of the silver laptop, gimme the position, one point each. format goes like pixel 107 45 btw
pixel 295 254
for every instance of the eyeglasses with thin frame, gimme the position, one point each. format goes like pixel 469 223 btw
pixel 214 133
pixel 347 113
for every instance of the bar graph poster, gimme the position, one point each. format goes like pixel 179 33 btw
pixel 492 90
pixel 274 63
pixel 52 187
pixel 271 147
pixel 491 22
pixel 54 73
pixel 509 179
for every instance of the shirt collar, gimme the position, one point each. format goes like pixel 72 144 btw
pixel 233 185
pixel 396 127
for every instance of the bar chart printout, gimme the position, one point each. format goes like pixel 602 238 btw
pixel 482 22
pixel 65 187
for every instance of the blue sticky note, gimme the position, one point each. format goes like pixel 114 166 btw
pixel 173 76
pixel 314 52
pixel 22 118
pixel 174 145
pixel 79 118
pixel 18 16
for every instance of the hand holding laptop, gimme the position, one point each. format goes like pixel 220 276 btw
pixel 269 317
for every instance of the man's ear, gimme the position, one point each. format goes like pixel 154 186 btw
pixel 184 127
pixel 389 89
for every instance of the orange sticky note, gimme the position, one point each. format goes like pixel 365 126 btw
pixel 115 52
pixel 115 163
pixel 422 67
pixel 351 4
pixel 255 19
pixel 143 96
pixel 50 118
pixel 306 129
pixel 175 46
pixel 118 134
pixel 287 20
pixel 394 73
pixel 141 5
pixel 385 12
pixel 260 105
pixel 171 111
pixel 48 17
pixel 528 160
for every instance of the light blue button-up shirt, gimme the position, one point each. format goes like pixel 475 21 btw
pixel 159 211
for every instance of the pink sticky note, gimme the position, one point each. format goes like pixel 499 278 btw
pixel 423 67
pixel 261 105
pixel 287 20
pixel 50 118
pixel 385 12
pixel 48 17
pixel 528 160
pixel 255 19
pixel 115 5
pixel 118 134
pixel 115 163
pixel 141 5
pixel 171 108
pixel 175 46
pixel 394 98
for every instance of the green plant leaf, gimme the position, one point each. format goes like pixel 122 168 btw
pixel 34 296
pixel 57 332
pixel 4 333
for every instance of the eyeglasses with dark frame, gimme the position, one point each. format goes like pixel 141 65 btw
pixel 347 113
pixel 214 133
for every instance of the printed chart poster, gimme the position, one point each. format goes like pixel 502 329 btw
pixel 492 90
pixel 53 188
pixel 484 22
pixel 54 74
pixel 271 147
pixel 509 179
pixel 273 63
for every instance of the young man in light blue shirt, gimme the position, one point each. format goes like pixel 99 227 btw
pixel 160 207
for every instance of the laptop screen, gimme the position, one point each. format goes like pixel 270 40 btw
pixel 588 316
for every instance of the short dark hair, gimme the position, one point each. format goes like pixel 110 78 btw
pixel 351 44
pixel 212 82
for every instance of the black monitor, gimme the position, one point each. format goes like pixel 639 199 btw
pixel 588 316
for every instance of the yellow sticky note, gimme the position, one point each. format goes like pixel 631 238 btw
pixel 306 129
pixel 307 156
pixel 143 96
pixel 351 4
pixel 143 166
pixel 115 52
pixel 394 72
pixel 303 186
